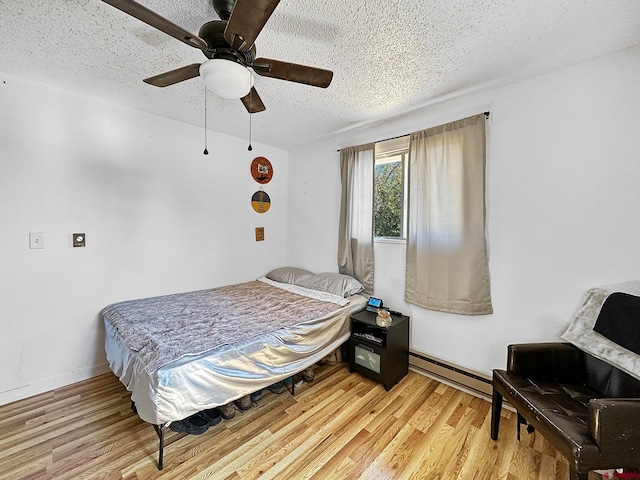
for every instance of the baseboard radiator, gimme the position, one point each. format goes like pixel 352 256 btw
pixel 458 376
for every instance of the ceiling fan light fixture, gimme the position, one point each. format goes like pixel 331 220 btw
pixel 226 78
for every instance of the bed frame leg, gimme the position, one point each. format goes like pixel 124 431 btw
pixel 160 431
pixel 293 387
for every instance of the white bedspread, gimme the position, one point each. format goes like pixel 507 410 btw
pixel 195 382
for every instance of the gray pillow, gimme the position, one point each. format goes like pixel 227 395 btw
pixel 288 274
pixel 336 283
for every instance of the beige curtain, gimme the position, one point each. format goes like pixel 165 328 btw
pixel 355 231
pixel 447 263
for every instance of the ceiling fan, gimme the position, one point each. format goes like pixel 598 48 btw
pixel 229 45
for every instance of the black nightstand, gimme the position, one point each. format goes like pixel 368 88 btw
pixel 380 353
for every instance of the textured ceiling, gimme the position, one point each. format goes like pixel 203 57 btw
pixel 387 56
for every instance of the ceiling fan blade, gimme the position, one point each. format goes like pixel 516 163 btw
pixel 174 76
pixel 246 21
pixel 292 72
pixel 150 17
pixel 253 102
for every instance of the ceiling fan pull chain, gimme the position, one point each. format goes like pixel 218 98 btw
pixel 206 152
pixel 250 147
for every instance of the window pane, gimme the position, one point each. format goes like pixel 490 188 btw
pixel 389 197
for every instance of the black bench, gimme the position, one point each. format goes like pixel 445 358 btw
pixel 587 409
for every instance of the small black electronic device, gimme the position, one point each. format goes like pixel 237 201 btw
pixel 374 304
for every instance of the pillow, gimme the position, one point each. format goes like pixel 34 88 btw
pixel 336 283
pixel 288 274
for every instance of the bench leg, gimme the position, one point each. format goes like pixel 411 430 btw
pixel 521 421
pixel 573 475
pixel 496 408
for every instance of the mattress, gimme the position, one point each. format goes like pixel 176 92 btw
pixel 213 378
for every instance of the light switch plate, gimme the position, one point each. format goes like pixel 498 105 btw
pixel 36 240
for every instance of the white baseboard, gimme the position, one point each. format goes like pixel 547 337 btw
pixel 463 378
pixel 42 386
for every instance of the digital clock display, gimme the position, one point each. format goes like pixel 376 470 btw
pixel 375 302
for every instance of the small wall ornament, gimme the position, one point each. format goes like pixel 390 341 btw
pixel 261 170
pixel 260 201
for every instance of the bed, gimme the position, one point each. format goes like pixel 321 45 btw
pixel 183 353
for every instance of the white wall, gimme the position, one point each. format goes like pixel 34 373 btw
pixel 563 205
pixel 160 217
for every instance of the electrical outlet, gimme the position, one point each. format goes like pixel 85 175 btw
pixel 79 239
pixel 36 240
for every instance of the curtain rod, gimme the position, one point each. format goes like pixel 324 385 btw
pixel 486 115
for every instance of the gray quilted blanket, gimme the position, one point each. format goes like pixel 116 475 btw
pixel 166 328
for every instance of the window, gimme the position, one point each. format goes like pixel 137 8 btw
pixel 390 188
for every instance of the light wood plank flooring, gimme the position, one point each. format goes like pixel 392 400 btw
pixel 341 426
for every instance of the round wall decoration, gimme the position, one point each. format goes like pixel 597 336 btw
pixel 260 201
pixel 261 170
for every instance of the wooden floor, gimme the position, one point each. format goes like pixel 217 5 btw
pixel 341 426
